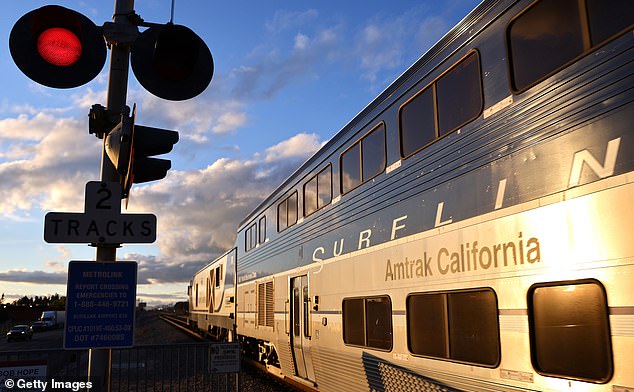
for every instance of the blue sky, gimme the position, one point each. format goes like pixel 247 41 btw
pixel 288 75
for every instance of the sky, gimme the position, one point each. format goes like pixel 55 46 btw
pixel 288 76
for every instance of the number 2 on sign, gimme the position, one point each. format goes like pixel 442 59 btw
pixel 103 204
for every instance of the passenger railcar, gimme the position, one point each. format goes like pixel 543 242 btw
pixel 471 227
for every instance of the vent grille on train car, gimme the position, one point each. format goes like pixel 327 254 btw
pixel 266 315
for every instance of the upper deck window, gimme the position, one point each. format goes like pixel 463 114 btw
pixel 608 18
pixel 262 232
pixel 459 95
pixel 364 160
pixel 551 34
pixel 250 237
pixel 255 234
pixel 443 106
pixel 287 212
pixel 318 191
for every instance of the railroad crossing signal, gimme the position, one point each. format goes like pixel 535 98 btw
pixel 61 48
pixel 131 148
pixel 57 47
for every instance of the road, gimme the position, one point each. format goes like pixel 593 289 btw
pixel 41 340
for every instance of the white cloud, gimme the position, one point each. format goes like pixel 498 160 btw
pixel 230 121
pixel 301 41
pixel 299 146
pixel 44 167
pixel 284 20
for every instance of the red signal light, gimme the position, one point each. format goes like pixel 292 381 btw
pixel 59 46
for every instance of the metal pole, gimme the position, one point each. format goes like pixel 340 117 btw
pixel 100 359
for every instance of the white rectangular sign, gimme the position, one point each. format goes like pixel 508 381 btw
pixel 102 221
pixel 225 357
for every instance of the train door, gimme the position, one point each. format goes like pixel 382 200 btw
pixel 300 327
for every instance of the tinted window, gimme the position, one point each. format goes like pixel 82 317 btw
pixel 250 237
pixel 282 216
pixel 353 322
pixel 461 326
pixel 364 160
pixel 368 322
pixel 292 209
pixel 262 225
pixel 324 188
pixel 287 212
pixel 426 325
pixel 373 150
pixel 318 191
pixel 473 331
pixel 310 196
pixel 296 308
pixel 608 17
pixel 459 95
pixel 570 331
pixel 379 322
pixel 543 39
pixel 351 168
pixel 417 125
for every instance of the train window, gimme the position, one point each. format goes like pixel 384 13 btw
pixel 550 34
pixel 250 237
pixel 292 209
pixel 364 160
pixel 318 191
pixel 367 322
pixel 459 325
pixel 282 217
pixel 287 212
pixel 417 124
pixel 379 322
pixel 544 38
pixel 608 18
pixel 351 168
pixel 570 330
pixel 296 308
pixel 459 95
pixel 262 232
pixel 310 196
pixel 473 334
pixel 442 107
pixel 426 324
pixel 306 302
pixel 324 187
pixel 353 322
pixel 373 153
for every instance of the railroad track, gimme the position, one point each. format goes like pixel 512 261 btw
pixel 255 370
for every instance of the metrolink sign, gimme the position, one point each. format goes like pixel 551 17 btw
pixel 102 221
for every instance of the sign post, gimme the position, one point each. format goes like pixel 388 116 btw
pixel 99 361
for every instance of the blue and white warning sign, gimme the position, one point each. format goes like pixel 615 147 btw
pixel 100 302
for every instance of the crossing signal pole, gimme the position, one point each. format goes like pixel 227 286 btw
pixel 61 48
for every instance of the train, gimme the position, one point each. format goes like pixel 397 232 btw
pixel 469 229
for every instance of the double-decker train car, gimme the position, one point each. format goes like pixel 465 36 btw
pixel 471 228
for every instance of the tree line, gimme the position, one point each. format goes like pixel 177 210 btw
pixel 54 300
